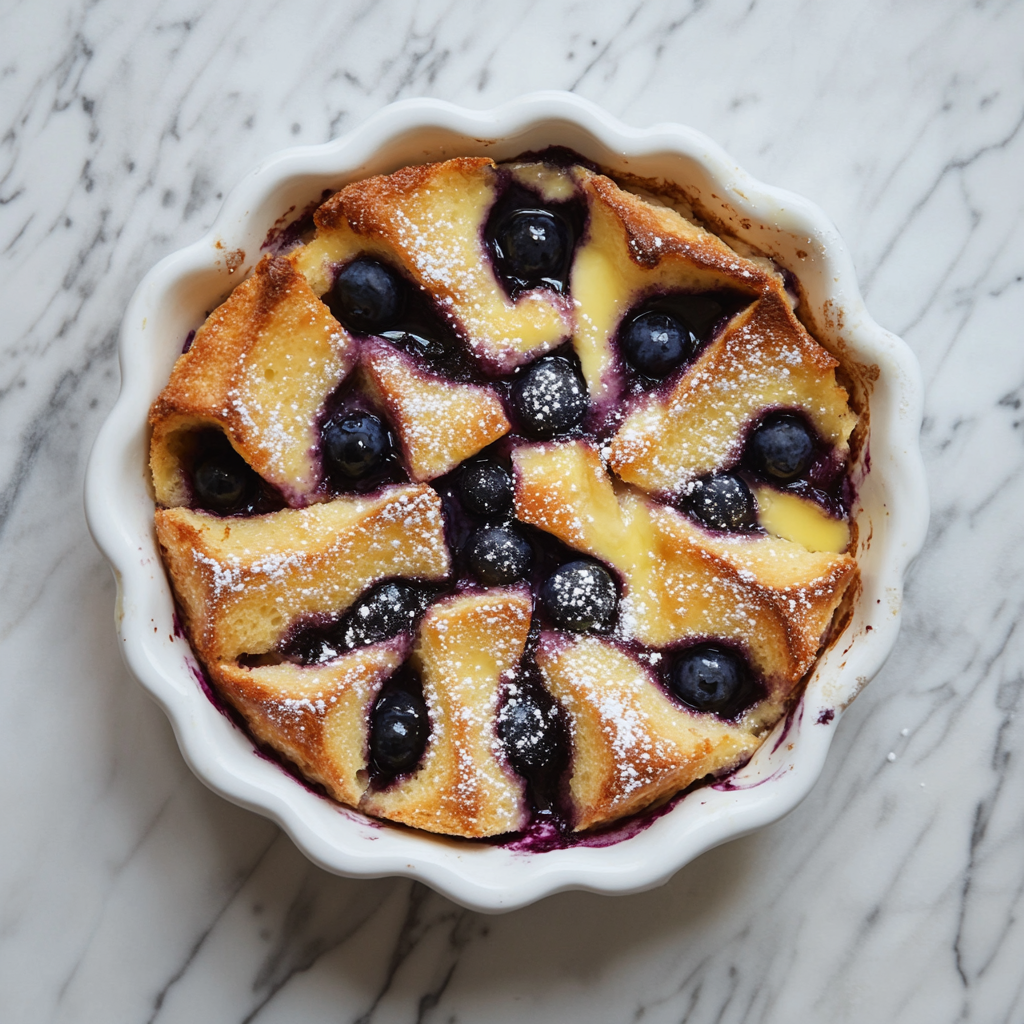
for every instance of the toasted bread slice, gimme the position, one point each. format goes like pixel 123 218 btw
pixel 259 369
pixel 469 645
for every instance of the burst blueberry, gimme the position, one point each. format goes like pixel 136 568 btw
pixel 498 555
pixel 782 447
pixel 722 502
pixel 711 678
pixel 533 247
pixel 356 445
pixel 581 596
pixel 656 343
pixel 485 488
pixel 551 398
pixel 399 726
pixel 367 297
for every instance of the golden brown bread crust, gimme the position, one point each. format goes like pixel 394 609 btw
pixel 316 715
pixel 763 359
pixel 259 369
pixel 682 582
pixel 631 744
pixel 468 646
pixel 242 583
pixel 440 423
pixel 428 220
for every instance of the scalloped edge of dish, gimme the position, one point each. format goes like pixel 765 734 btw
pixel 891 513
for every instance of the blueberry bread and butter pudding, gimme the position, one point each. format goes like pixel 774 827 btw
pixel 508 496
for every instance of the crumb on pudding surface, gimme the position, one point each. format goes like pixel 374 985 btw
pixel 510 495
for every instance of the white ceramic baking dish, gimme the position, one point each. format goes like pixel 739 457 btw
pixel 891 510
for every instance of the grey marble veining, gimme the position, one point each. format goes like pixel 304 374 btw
pixel 895 893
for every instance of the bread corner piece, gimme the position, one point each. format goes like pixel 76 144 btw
pixel 631 744
pixel 259 369
pixel 318 716
pixel 242 583
pixel 468 646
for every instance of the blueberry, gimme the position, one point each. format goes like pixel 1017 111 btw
pixel 498 555
pixel 486 488
pixel 366 297
pixel 782 447
pixel 580 596
pixel 356 445
pixel 551 398
pixel 533 247
pixel 398 731
pixel 656 343
pixel 722 502
pixel 222 479
pixel 532 737
pixel 711 678
pixel 383 612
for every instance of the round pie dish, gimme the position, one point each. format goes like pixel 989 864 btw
pixel 890 510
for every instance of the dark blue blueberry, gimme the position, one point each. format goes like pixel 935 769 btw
pixel 581 596
pixel 486 488
pixel 498 555
pixel 711 678
pixel 222 479
pixel 385 611
pixel 532 736
pixel 533 247
pixel 366 297
pixel 551 398
pixel 399 726
pixel 722 502
pixel 656 343
pixel 782 447
pixel 356 445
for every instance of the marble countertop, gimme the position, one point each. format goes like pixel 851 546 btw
pixel 895 892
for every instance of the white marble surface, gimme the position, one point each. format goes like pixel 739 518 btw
pixel 128 893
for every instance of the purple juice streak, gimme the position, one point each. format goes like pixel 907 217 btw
pixel 794 716
pixel 189 338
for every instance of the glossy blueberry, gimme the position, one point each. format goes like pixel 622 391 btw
pixel 366 297
pixel 356 445
pixel 398 731
pixel 722 502
pixel 222 479
pixel 782 447
pixel 533 247
pixel 711 678
pixel 498 555
pixel 532 736
pixel 485 488
pixel 656 343
pixel 580 596
pixel 551 398
pixel 383 612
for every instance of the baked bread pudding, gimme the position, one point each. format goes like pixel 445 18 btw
pixel 509 497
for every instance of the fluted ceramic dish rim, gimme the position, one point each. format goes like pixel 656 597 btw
pixel 892 507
